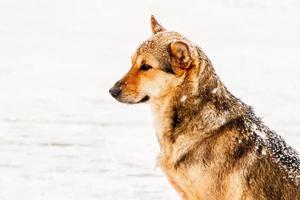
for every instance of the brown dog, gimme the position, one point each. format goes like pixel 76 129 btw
pixel 212 144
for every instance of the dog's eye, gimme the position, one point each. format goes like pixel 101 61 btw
pixel 145 67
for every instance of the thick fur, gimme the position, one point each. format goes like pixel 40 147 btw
pixel 212 144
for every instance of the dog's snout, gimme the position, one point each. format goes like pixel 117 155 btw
pixel 115 91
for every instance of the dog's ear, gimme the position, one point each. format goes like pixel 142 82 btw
pixel 180 52
pixel 155 26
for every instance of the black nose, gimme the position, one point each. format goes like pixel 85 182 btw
pixel 116 90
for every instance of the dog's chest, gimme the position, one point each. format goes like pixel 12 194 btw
pixel 189 183
pixel 197 183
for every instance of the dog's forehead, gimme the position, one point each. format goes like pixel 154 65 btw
pixel 158 43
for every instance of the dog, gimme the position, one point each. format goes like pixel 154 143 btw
pixel 212 145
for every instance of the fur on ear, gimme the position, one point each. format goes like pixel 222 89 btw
pixel 155 26
pixel 180 54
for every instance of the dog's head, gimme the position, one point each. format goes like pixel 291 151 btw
pixel 159 65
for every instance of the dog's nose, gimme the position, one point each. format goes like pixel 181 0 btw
pixel 115 91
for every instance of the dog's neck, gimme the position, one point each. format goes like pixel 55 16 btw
pixel 200 103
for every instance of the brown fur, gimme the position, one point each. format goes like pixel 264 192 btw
pixel 212 145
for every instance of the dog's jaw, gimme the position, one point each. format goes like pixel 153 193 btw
pixel 145 99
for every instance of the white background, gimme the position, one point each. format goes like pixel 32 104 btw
pixel 63 137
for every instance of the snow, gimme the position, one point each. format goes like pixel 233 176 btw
pixel 263 152
pixel 214 90
pixel 63 137
pixel 261 132
pixel 183 98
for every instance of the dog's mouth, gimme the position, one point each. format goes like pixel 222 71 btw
pixel 124 100
pixel 145 99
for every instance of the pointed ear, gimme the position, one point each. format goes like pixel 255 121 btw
pixel 155 26
pixel 180 52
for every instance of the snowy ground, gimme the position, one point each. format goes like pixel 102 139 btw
pixel 63 137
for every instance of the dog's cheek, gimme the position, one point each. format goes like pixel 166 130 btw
pixel 146 86
pixel 156 85
pixel 149 88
